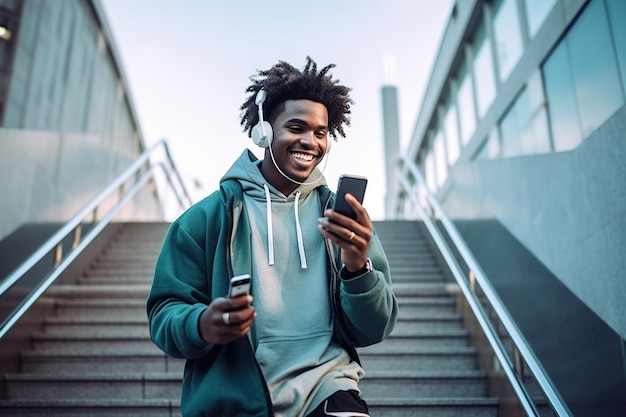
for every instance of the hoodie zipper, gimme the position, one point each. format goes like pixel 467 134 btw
pixel 343 334
pixel 229 266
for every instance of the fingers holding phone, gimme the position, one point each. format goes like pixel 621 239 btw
pixel 227 319
pixel 348 225
pixel 348 207
pixel 239 294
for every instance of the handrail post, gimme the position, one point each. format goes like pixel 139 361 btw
pixel 77 234
pixel 120 190
pixel 58 254
pixel 519 363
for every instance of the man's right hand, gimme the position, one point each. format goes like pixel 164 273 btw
pixel 227 319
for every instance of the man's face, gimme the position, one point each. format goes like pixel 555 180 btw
pixel 299 144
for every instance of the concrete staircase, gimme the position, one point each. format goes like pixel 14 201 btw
pixel 94 356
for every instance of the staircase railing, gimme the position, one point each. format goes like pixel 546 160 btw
pixel 137 175
pixel 430 211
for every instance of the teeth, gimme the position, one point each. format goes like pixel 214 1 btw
pixel 302 156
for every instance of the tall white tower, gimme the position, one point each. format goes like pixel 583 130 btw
pixel 391 132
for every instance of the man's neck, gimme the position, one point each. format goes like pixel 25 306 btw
pixel 276 179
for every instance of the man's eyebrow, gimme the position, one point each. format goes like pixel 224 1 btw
pixel 304 122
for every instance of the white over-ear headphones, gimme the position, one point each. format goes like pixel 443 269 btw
pixel 262 133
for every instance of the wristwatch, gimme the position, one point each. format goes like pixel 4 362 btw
pixel 368 267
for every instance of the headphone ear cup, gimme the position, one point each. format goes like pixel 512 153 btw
pixel 260 139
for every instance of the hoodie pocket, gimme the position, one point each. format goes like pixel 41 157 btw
pixel 283 358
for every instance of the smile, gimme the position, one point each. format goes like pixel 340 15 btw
pixel 302 156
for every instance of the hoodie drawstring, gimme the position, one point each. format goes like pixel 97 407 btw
pixel 299 234
pixel 270 233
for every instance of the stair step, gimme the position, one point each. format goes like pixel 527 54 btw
pixel 116 279
pixel 416 359
pixel 433 407
pixel 423 384
pixel 100 291
pixel 123 385
pixel 147 359
pixel 406 277
pixel 83 305
pixel 399 339
pixel 168 385
pixel 121 272
pixel 96 325
pixel 433 324
pixel 421 340
pixel 90 407
pixel 130 264
pixel 403 289
pixel 415 306
pixel 43 341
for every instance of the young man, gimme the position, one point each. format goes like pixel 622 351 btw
pixel 320 281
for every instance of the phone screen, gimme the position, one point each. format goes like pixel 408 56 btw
pixel 354 185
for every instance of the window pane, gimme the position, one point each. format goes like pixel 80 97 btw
pixel 510 129
pixel 429 167
pixel 524 130
pixel 594 66
pixel 467 113
pixel 508 36
pixel 451 128
pixel 562 107
pixel 537 11
pixel 441 169
pixel 536 138
pixel 491 148
pixel 484 74
pixel 617 14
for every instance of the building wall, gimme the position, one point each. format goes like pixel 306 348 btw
pixel 68 122
pixel 521 136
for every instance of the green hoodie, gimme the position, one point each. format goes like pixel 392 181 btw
pixel 213 241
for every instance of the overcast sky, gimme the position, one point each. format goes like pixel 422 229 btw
pixel 188 63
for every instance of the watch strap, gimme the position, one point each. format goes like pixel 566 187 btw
pixel 368 267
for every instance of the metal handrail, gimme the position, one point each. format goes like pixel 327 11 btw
pixel 74 225
pixel 476 275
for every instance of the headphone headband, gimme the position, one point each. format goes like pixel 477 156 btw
pixel 262 133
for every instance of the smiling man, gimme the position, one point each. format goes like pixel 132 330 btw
pixel 320 280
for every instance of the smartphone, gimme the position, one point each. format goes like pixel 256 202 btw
pixel 239 285
pixel 353 184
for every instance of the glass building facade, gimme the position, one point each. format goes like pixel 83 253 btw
pixel 524 143
pixel 577 87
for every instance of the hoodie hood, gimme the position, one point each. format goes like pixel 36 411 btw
pixel 247 170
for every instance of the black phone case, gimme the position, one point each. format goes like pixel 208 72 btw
pixel 354 185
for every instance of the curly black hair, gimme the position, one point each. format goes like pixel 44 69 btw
pixel 284 82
